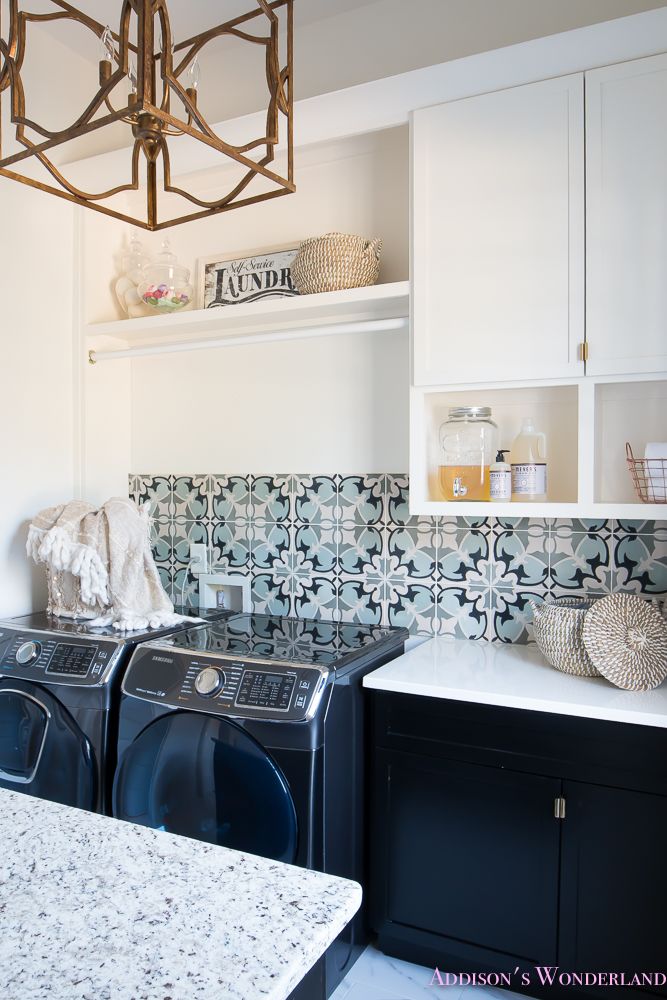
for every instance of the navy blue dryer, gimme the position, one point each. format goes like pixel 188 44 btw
pixel 249 733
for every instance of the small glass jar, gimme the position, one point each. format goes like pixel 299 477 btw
pixel 166 284
pixel 468 446
pixel 133 263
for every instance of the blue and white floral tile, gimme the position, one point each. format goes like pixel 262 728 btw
pixel 315 549
pixel 361 600
pixel 412 551
pixel 361 550
pixel 315 499
pixel 229 545
pixel 190 498
pixel 580 562
pixel 271 499
pixel 461 549
pixel 164 572
pixel 482 524
pixel 512 619
pixel 271 547
pixel 397 508
pixel 361 500
pixel 315 596
pixel 271 594
pixel 184 589
pixel 155 491
pixel 458 616
pixel 641 527
pixel 229 498
pixel 345 548
pixel 500 524
pixel 490 589
pixel 161 541
pixel 640 560
pixel 183 535
pixel 411 603
pixel 523 556
pixel 576 526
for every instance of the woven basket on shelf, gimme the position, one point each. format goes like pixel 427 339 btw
pixel 626 638
pixel 558 629
pixel 335 261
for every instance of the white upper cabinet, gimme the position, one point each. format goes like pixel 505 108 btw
pixel 626 153
pixel 498 235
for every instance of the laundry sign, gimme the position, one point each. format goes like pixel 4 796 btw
pixel 264 275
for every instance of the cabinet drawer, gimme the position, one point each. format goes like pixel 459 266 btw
pixel 610 753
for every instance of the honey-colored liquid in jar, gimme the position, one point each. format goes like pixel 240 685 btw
pixel 464 482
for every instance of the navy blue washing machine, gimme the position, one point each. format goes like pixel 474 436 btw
pixel 250 733
pixel 59 700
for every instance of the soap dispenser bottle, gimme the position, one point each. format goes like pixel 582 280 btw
pixel 529 464
pixel 500 478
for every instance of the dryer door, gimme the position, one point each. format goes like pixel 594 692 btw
pixel 42 750
pixel 207 778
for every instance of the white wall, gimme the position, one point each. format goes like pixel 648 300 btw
pixel 337 404
pixel 37 394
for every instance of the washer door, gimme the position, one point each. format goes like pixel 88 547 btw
pixel 42 750
pixel 206 778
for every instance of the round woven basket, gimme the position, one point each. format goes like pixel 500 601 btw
pixel 626 639
pixel 558 629
pixel 335 261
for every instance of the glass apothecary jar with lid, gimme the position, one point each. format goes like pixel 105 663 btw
pixel 468 446
pixel 166 283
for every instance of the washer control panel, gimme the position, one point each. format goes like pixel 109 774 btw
pixel 226 685
pixel 43 657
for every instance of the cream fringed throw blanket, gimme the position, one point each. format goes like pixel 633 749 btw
pixel 100 565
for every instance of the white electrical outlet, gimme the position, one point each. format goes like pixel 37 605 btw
pixel 198 558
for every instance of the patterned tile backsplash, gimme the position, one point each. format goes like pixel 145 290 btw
pixel 344 548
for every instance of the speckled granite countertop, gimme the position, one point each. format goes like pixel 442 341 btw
pixel 95 909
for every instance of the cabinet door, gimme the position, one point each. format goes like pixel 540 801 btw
pixel 614 881
pixel 498 235
pixel 467 852
pixel 626 199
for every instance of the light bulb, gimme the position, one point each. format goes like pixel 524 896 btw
pixel 191 75
pixel 132 76
pixel 107 51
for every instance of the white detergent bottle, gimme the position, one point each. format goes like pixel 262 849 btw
pixel 529 464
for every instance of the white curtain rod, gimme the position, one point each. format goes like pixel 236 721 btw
pixel 330 330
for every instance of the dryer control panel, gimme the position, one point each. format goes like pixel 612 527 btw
pixel 226 685
pixel 43 657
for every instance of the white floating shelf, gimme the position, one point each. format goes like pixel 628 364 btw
pixel 351 306
pixel 589 512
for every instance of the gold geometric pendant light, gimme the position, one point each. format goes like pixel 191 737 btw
pixel 156 84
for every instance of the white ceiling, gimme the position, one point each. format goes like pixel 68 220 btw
pixel 188 17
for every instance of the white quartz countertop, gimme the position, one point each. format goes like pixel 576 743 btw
pixel 92 908
pixel 516 677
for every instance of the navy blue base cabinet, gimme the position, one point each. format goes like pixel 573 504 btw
pixel 503 840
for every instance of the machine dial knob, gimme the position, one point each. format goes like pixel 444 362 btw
pixel 209 681
pixel 28 652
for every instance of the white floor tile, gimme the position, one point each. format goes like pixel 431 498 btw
pixel 379 977
pixel 399 980
pixel 343 991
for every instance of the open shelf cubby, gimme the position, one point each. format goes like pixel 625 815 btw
pixel 555 410
pixel 587 422
pixel 634 412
